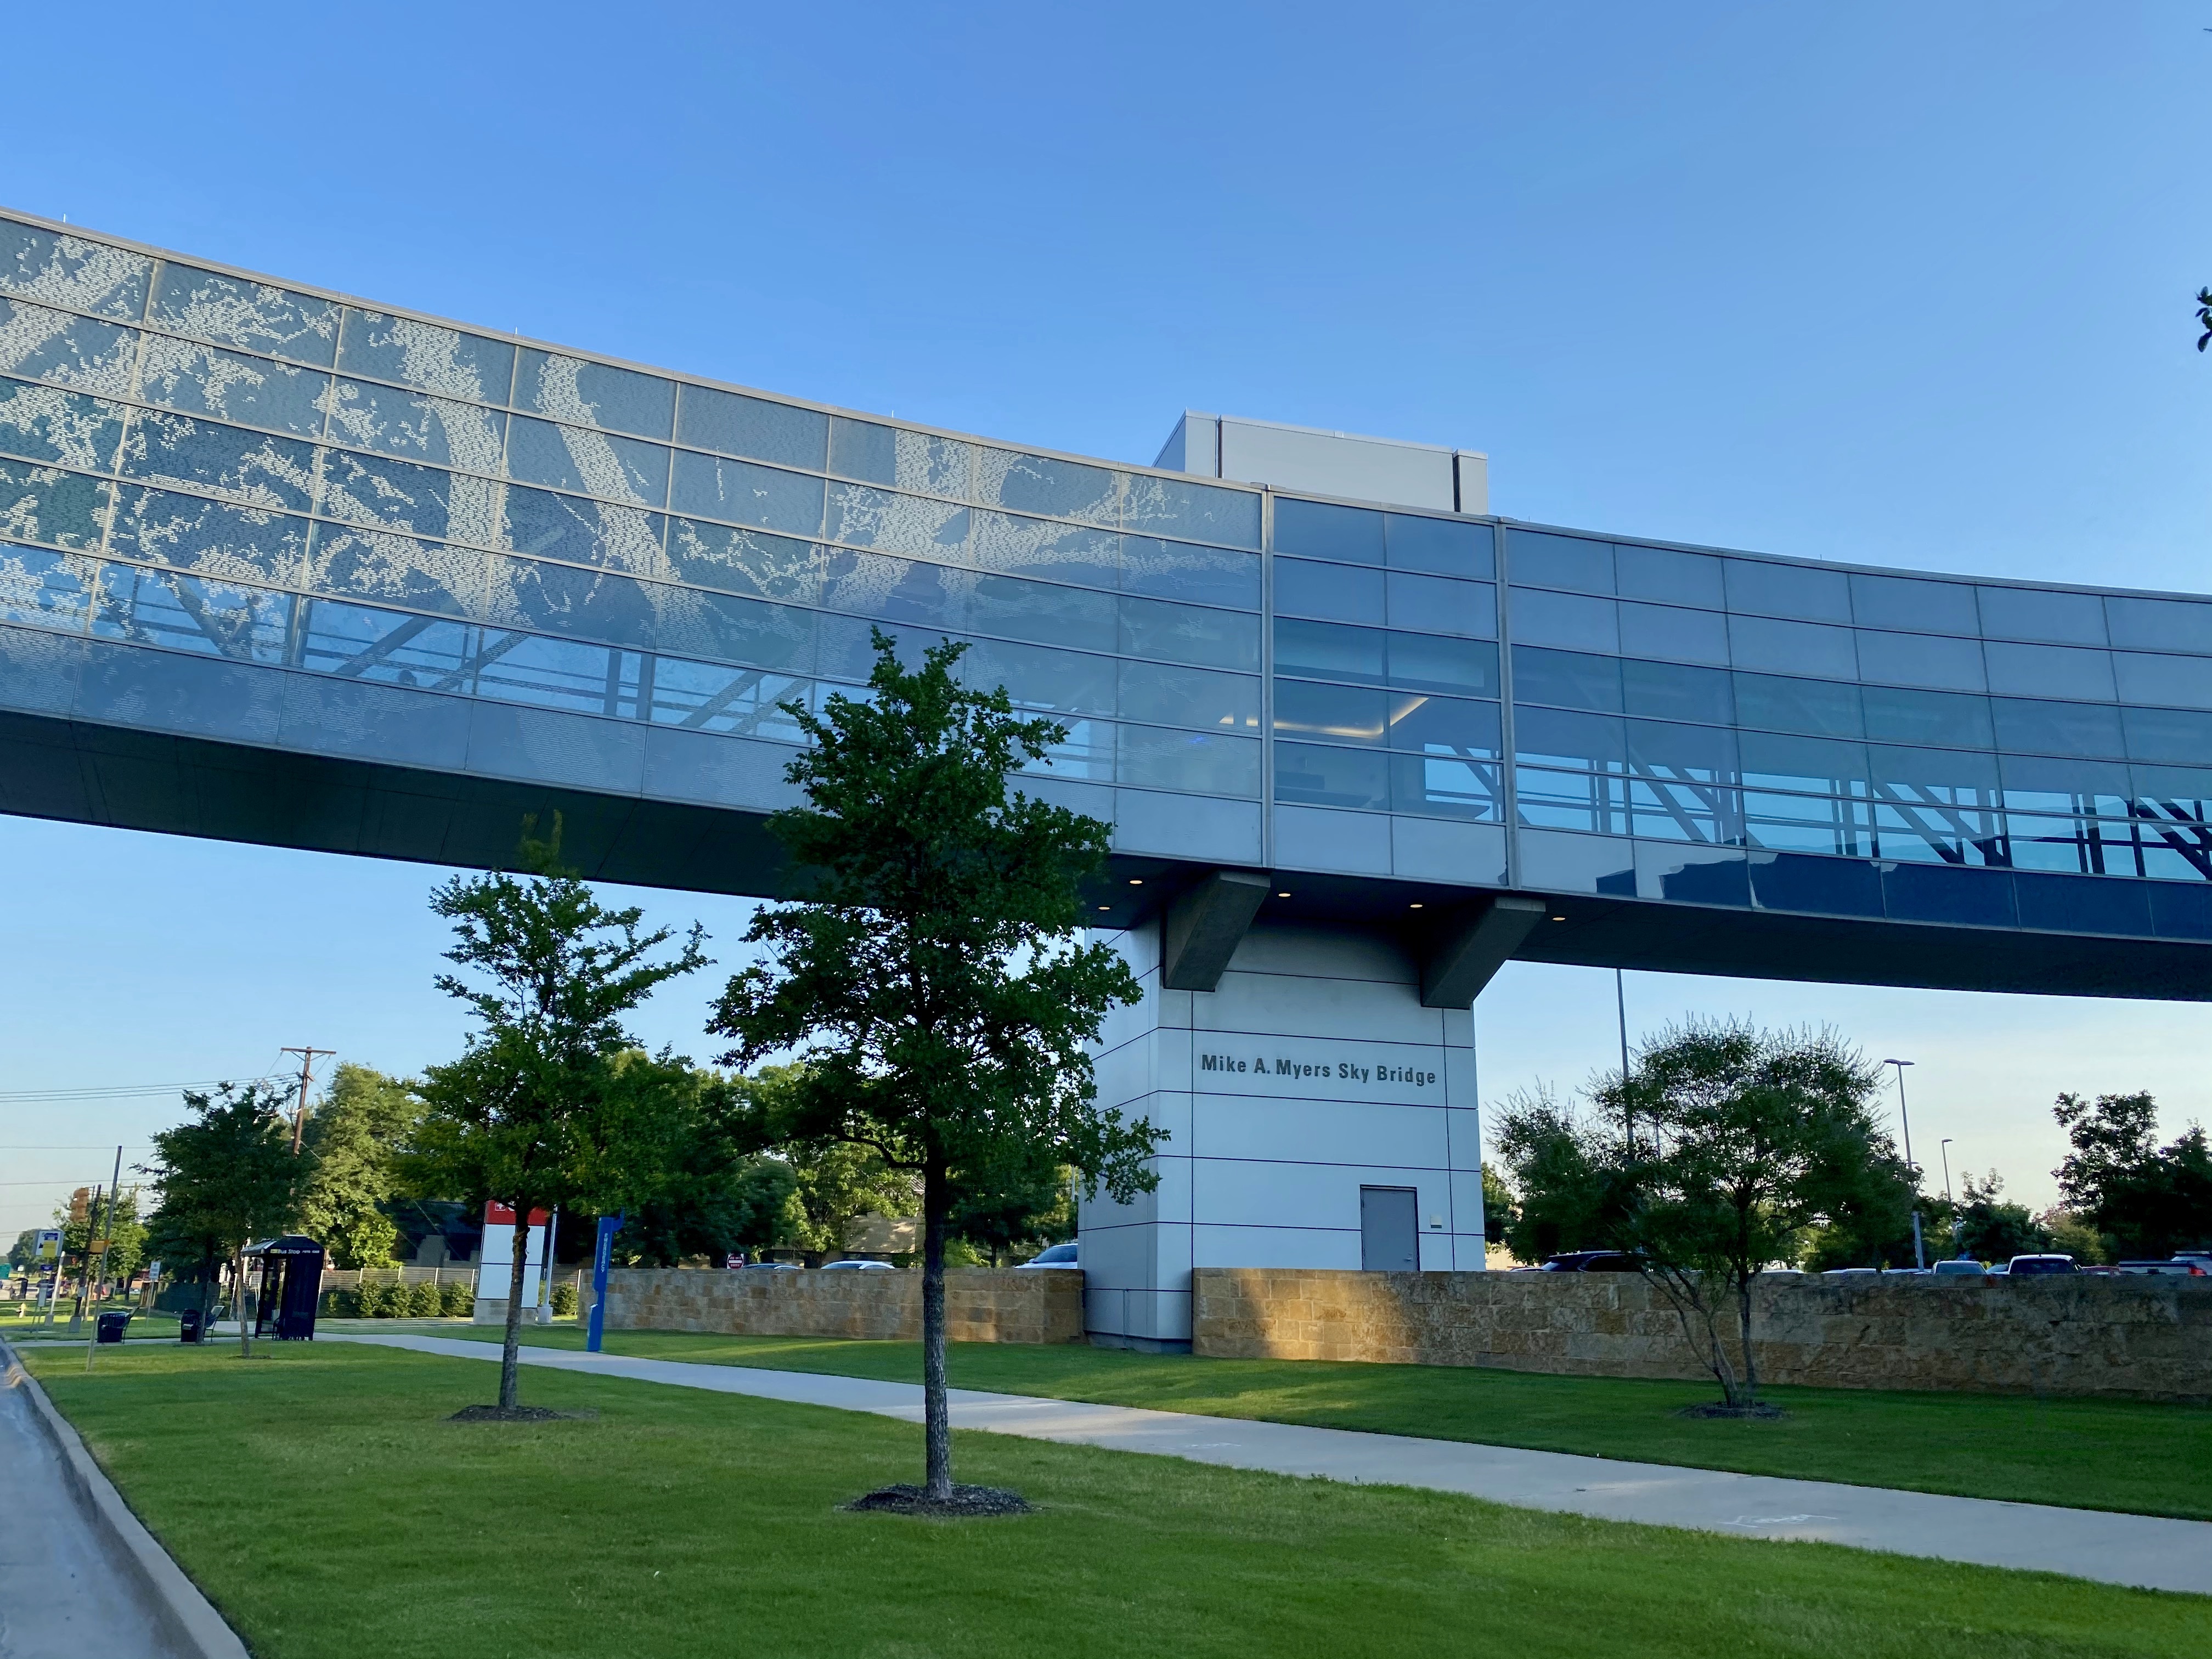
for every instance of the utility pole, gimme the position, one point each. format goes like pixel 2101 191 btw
pixel 307 1076
pixel 105 1240
pixel 1919 1251
pixel 1957 1227
pixel 1627 1103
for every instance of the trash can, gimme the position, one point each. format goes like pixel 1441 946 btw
pixel 112 1324
pixel 188 1325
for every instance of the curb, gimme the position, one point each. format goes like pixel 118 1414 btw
pixel 184 1615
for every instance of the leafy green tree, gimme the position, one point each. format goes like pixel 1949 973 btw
pixel 1871 1225
pixel 690 1190
pixel 1570 1176
pixel 228 1175
pixel 2148 1200
pixel 1501 1205
pixel 352 1143
pixel 1034 1207
pixel 933 981
pixel 2060 1229
pixel 112 1217
pixel 1989 1228
pixel 529 1114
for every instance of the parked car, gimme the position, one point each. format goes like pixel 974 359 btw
pixel 2178 1267
pixel 1592 1261
pixel 2024 1267
pixel 2202 1258
pixel 1964 1267
pixel 773 1266
pixel 1053 1255
pixel 858 1266
pixel 1852 1273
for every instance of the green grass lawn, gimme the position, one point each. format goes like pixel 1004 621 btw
pixel 2113 1455
pixel 318 1497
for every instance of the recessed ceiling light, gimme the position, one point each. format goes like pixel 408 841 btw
pixel 1554 918
pixel 1105 907
pixel 1136 881
pixel 1415 905
pixel 1282 896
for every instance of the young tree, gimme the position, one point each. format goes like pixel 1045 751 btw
pixel 2148 1199
pixel 352 1143
pixel 526 1115
pixel 227 1176
pixel 691 1191
pixel 1571 1175
pixel 933 981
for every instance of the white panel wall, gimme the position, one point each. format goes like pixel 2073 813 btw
pixel 1312 1070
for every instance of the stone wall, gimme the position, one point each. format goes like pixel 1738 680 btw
pixel 1042 1305
pixel 2146 1339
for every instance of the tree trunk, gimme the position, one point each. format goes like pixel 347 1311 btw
pixel 1743 1326
pixel 937 1415
pixel 244 1324
pixel 510 1350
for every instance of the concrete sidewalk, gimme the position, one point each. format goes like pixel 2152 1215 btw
pixel 2146 1551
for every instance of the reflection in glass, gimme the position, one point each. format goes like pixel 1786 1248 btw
pixel 1336 592
pixel 582 532
pixel 426 356
pixel 1198 762
pixel 46 424
pixel 758 428
pixel 745 561
pixel 202 380
pixel 614 469
pixel 1056 552
pixel 2091 730
pixel 1440 547
pixel 2042 614
pixel 188 613
pixel 738 491
pixel 253 467
pixel 899 459
pixel 1592 802
pixel 1666 690
pixel 913 524
pixel 46 504
pixel 1332 713
pixel 1666 575
pixel 1814 708
pixel 53 346
pixel 1158 694
pixel 568 674
pixel 1929 717
pixel 1444 785
pixel 1311 774
pixel 216 538
pixel 1322 531
pixel 1795 591
pixel 714 697
pixel 396 495
pixel 1438 604
pixel 1185 570
pixel 570 389
pixel 356 641
pixel 1566 679
pixel 415 426
pixel 1442 725
pixel 46 589
pixel 1808 824
pixel 1192 512
pixel 68 271
pixel 397 569
pixel 1189 633
pixel 1041 485
pixel 1573 562
pixel 1038 678
pixel 251 316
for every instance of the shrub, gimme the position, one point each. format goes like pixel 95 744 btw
pixel 564 1302
pixel 341 1303
pixel 375 1300
pixel 423 1301
pixel 457 1298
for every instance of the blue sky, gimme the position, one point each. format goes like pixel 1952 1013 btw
pixel 1893 283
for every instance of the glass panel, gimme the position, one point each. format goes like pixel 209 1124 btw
pixel 1553 736
pixel 2159 624
pixel 1190 696
pixel 1324 531
pixel 1816 765
pixel 2099 789
pixel 1569 562
pixel 1796 592
pixel 2042 614
pixel 1898 602
pixel 714 489
pixel 1056 489
pixel 1328 651
pixel 426 356
pixel 597 462
pixel 202 380
pixel 1592 802
pixel 593 394
pixel 1951 664
pixel 1311 775
pixel 759 428
pixel 216 538
pixel 44 589
pixel 253 467
pixel 417 428
pixel 1565 621
pixel 1200 763
pixel 1953 774
pixel 1037 676
pixel 2189 788
pixel 2058 728
pixel 1674 634
pixel 1668 690
pixel 44 504
pixel 1438 604
pixel 582 532
pixel 68 271
pixel 1809 824
pixel 1086 751
pixel 369 489
pixel 1332 713
pixel 568 674
pixel 1440 725
pixel 897 523
pixel 1045 613
pixel 387 646
pixel 1039 547
pixel 1787 705
pixel 2177 737
pixel 2183 682
pixel 378 564
pixel 705 696
pixel 900 458
pixel 1423 662
pixel 1565 679
pixel 2049 670
pixel 1184 570
pixel 1933 717
pixel 1665 808
pixel 1191 512
pixel 1924 833
pixel 1340 593
pixel 252 316
pixel 560 599
pixel 1183 633
pixel 729 628
pixel 187 613
pixel 1441 546
pixel 1791 648
pixel 899 590
pixel 64 350
pixel 745 562
pixel 1690 754
pixel 1441 785
pixel 1668 576
pixel 46 424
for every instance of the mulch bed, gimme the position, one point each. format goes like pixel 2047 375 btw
pixel 519 1415
pixel 1760 1410
pixel 966 1503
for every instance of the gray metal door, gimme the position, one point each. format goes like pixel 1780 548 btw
pixel 1390 1240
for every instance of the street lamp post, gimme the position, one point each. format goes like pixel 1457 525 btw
pixel 1957 1227
pixel 1919 1251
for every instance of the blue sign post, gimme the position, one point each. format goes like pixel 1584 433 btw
pixel 609 1226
